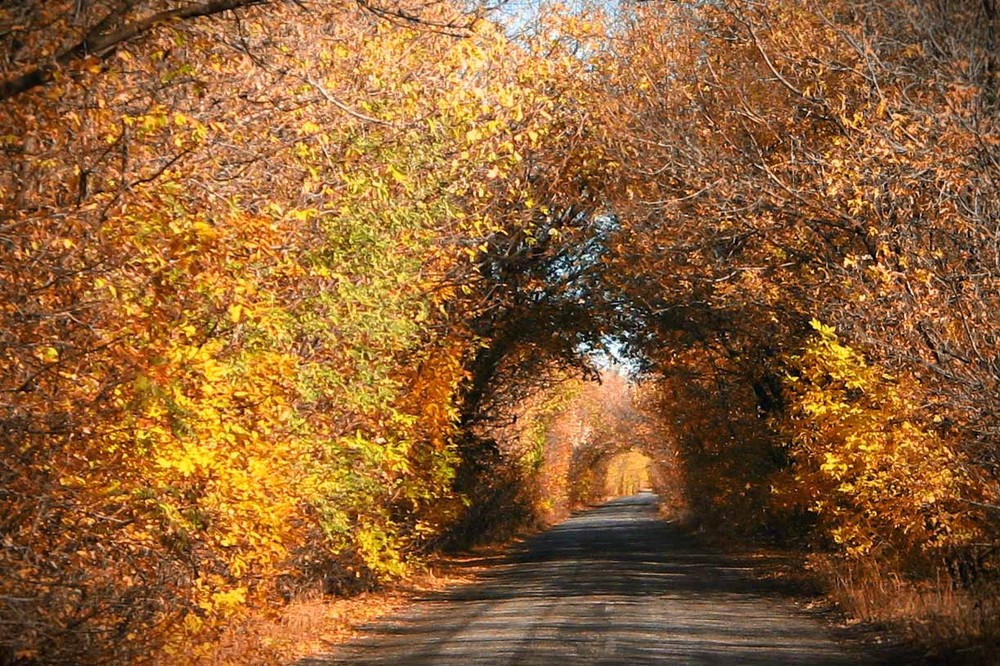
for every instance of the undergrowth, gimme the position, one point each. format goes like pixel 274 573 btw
pixel 949 622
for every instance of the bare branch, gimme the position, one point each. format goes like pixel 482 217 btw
pixel 328 96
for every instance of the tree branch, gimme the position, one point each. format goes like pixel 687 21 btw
pixel 102 44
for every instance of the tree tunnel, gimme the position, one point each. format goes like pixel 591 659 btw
pixel 293 294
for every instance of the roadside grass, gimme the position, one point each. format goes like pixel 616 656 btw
pixel 314 623
pixel 949 623
pixel 905 620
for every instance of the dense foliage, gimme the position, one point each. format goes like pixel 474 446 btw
pixel 291 292
pixel 238 255
pixel 837 163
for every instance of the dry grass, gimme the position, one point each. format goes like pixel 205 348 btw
pixel 910 620
pixel 951 625
pixel 314 623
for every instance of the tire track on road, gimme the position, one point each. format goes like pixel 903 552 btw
pixel 614 586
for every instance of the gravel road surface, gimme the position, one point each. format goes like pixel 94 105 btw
pixel 614 586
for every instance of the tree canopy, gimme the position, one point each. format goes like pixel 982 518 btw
pixel 293 292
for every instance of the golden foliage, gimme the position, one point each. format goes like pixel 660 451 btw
pixel 229 267
pixel 867 461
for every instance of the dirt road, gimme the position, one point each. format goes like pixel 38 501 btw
pixel 613 587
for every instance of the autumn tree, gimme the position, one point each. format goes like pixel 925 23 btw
pixel 240 249
pixel 833 163
pixel 276 278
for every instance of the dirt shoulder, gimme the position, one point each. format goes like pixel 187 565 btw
pixel 315 623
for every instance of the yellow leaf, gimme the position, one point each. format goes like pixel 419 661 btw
pixel 398 175
pixel 48 354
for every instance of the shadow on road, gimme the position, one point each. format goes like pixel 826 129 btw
pixel 612 586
